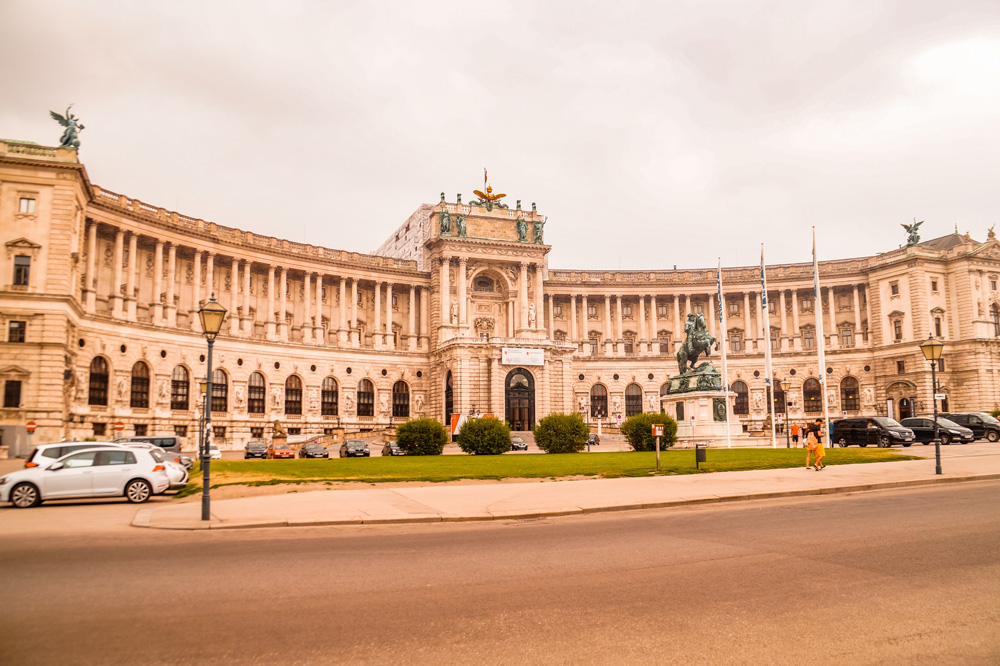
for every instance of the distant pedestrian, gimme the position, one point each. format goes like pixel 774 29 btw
pixel 814 443
pixel 795 435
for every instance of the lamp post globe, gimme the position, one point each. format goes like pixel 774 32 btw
pixel 212 315
pixel 931 349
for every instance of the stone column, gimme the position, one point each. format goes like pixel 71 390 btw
pixel 307 322
pixel 318 329
pixel 834 341
pixel 585 333
pixel 687 305
pixel 643 341
pixel 377 335
pixel 748 331
pixel 157 284
pixel 762 334
pixel 551 317
pixel 573 326
pixel 424 318
pixel 171 307
pixel 133 268
pixel 796 331
pixel 654 334
pixel 857 316
pixel 784 322
pixel 342 329
pixel 209 276
pixel 522 297
pixel 116 280
pixel 609 329
pixel 678 331
pixel 354 333
pixel 411 324
pixel 539 301
pixel 272 324
pixel 868 315
pixel 247 320
pixel 389 342
pixel 463 313
pixel 283 305
pixel 619 345
pixel 445 307
pixel 195 320
pixel 91 290
pixel 234 297
pixel 712 315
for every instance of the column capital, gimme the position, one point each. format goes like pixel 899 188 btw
pixel 463 260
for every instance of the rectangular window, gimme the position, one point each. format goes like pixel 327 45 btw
pixel 592 311
pixel 774 342
pixel 295 431
pixel 140 429
pixel 100 429
pixel 16 331
pixel 934 285
pixel 395 302
pixel 664 346
pixel 734 308
pixel 27 205
pixel 735 343
pixel 940 365
pixel 22 270
pixel 894 289
pixel 257 432
pixel 557 310
pixel 993 285
pixel 900 367
pixel 897 328
pixel 180 430
pixel 808 339
pixel 629 346
pixel 12 394
pixel 846 337
pixel 626 310
pixel 698 308
pixel 937 326
pixel 219 432
pixel 327 431
pixel 593 346
pixel 806 304
pixel 661 310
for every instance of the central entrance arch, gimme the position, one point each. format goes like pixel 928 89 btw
pixel 519 399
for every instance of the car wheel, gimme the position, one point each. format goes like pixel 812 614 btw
pixel 25 496
pixel 842 442
pixel 862 444
pixel 884 443
pixel 138 491
pixel 992 435
pixel 906 444
pixel 945 439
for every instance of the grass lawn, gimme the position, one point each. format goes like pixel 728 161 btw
pixel 525 466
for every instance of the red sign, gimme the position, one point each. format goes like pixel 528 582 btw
pixel 119 426
pixel 30 426
pixel 657 430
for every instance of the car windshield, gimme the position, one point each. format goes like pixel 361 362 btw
pixel 355 443
pixel 256 445
pixel 887 422
pixel 313 446
pixel 987 418
pixel 281 446
pixel 947 424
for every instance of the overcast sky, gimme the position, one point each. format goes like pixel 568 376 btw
pixel 650 133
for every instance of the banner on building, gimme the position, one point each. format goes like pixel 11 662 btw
pixel 522 356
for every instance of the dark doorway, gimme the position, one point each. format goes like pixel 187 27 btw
pixel 520 399
pixel 905 408
pixel 449 401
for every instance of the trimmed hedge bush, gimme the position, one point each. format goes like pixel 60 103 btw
pixel 484 437
pixel 561 433
pixel 638 431
pixel 422 437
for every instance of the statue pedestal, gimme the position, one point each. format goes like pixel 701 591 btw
pixel 703 416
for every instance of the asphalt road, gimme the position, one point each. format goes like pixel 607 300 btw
pixel 894 577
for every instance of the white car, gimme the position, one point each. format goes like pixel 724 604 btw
pixel 214 453
pixel 176 472
pixel 102 471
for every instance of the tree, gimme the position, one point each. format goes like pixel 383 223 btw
pixel 422 437
pixel 484 436
pixel 561 433
pixel 638 431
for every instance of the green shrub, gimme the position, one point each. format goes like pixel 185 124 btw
pixel 561 433
pixel 484 436
pixel 996 411
pixel 638 431
pixel 422 437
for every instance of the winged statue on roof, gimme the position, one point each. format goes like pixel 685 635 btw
pixel 487 198
pixel 913 238
pixel 71 135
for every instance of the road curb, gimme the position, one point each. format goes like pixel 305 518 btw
pixel 143 517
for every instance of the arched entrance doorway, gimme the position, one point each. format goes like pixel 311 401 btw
pixel 519 398
pixel 905 408
pixel 449 400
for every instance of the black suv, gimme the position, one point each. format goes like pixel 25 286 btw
pixel 354 448
pixel 313 450
pixel 980 423
pixel 948 431
pixel 255 450
pixel 878 430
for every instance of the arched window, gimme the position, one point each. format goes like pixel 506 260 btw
pixel 664 389
pixel 599 401
pixel 293 395
pixel 633 400
pixel 778 406
pixel 742 403
pixel 850 394
pixel 328 404
pixel 140 386
pixel 256 394
pixel 179 388
pixel 220 391
pixel 812 396
pixel 482 283
pixel 400 399
pixel 98 393
pixel 366 398
pixel 995 318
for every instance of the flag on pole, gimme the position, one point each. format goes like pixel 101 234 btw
pixel 485 179
pixel 768 373
pixel 721 315
pixel 820 337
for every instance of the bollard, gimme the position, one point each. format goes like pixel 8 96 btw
pixel 699 455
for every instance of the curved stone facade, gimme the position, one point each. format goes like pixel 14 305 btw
pixel 326 340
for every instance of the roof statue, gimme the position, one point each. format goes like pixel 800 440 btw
pixel 487 198
pixel 71 136
pixel 913 238
pixel 990 234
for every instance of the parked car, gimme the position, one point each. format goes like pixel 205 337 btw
pixel 518 444
pixel 313 450
pixel 593 440
pixel 354 448
pixel 948 431
pixel 275 451
pixel 981 424
pixel 878 430
pixel 176 472
pixel 45 454
pixel 391 448
pixel 255 450
pixel 104 471
pixel 214 453
pixel 170 444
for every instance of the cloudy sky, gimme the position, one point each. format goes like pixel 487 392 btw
pixel 650 133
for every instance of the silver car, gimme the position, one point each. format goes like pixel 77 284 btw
pixel 176 472
pixel 105 471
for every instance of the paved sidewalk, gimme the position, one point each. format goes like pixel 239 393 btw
pixel 435 503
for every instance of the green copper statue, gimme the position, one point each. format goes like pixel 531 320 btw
pixel 460 225
pixel 445 219
pixel 697 341
pixel 522 230
pixel 911 229
pixel 538 231
pixel 71 136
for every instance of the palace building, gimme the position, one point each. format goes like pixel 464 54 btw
pixel 457 312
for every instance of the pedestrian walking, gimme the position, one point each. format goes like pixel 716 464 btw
pixel 795 435
pixel 814 444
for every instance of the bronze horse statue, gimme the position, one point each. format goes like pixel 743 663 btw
pixel 697 341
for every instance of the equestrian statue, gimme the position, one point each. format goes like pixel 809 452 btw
pixel 697 341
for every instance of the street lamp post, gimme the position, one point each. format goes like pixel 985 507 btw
pixel 932 352
pixel 785 386
pixel 211 316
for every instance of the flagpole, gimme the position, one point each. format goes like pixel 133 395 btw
pixel 768 374
pixel 722 336
pixel 821 338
